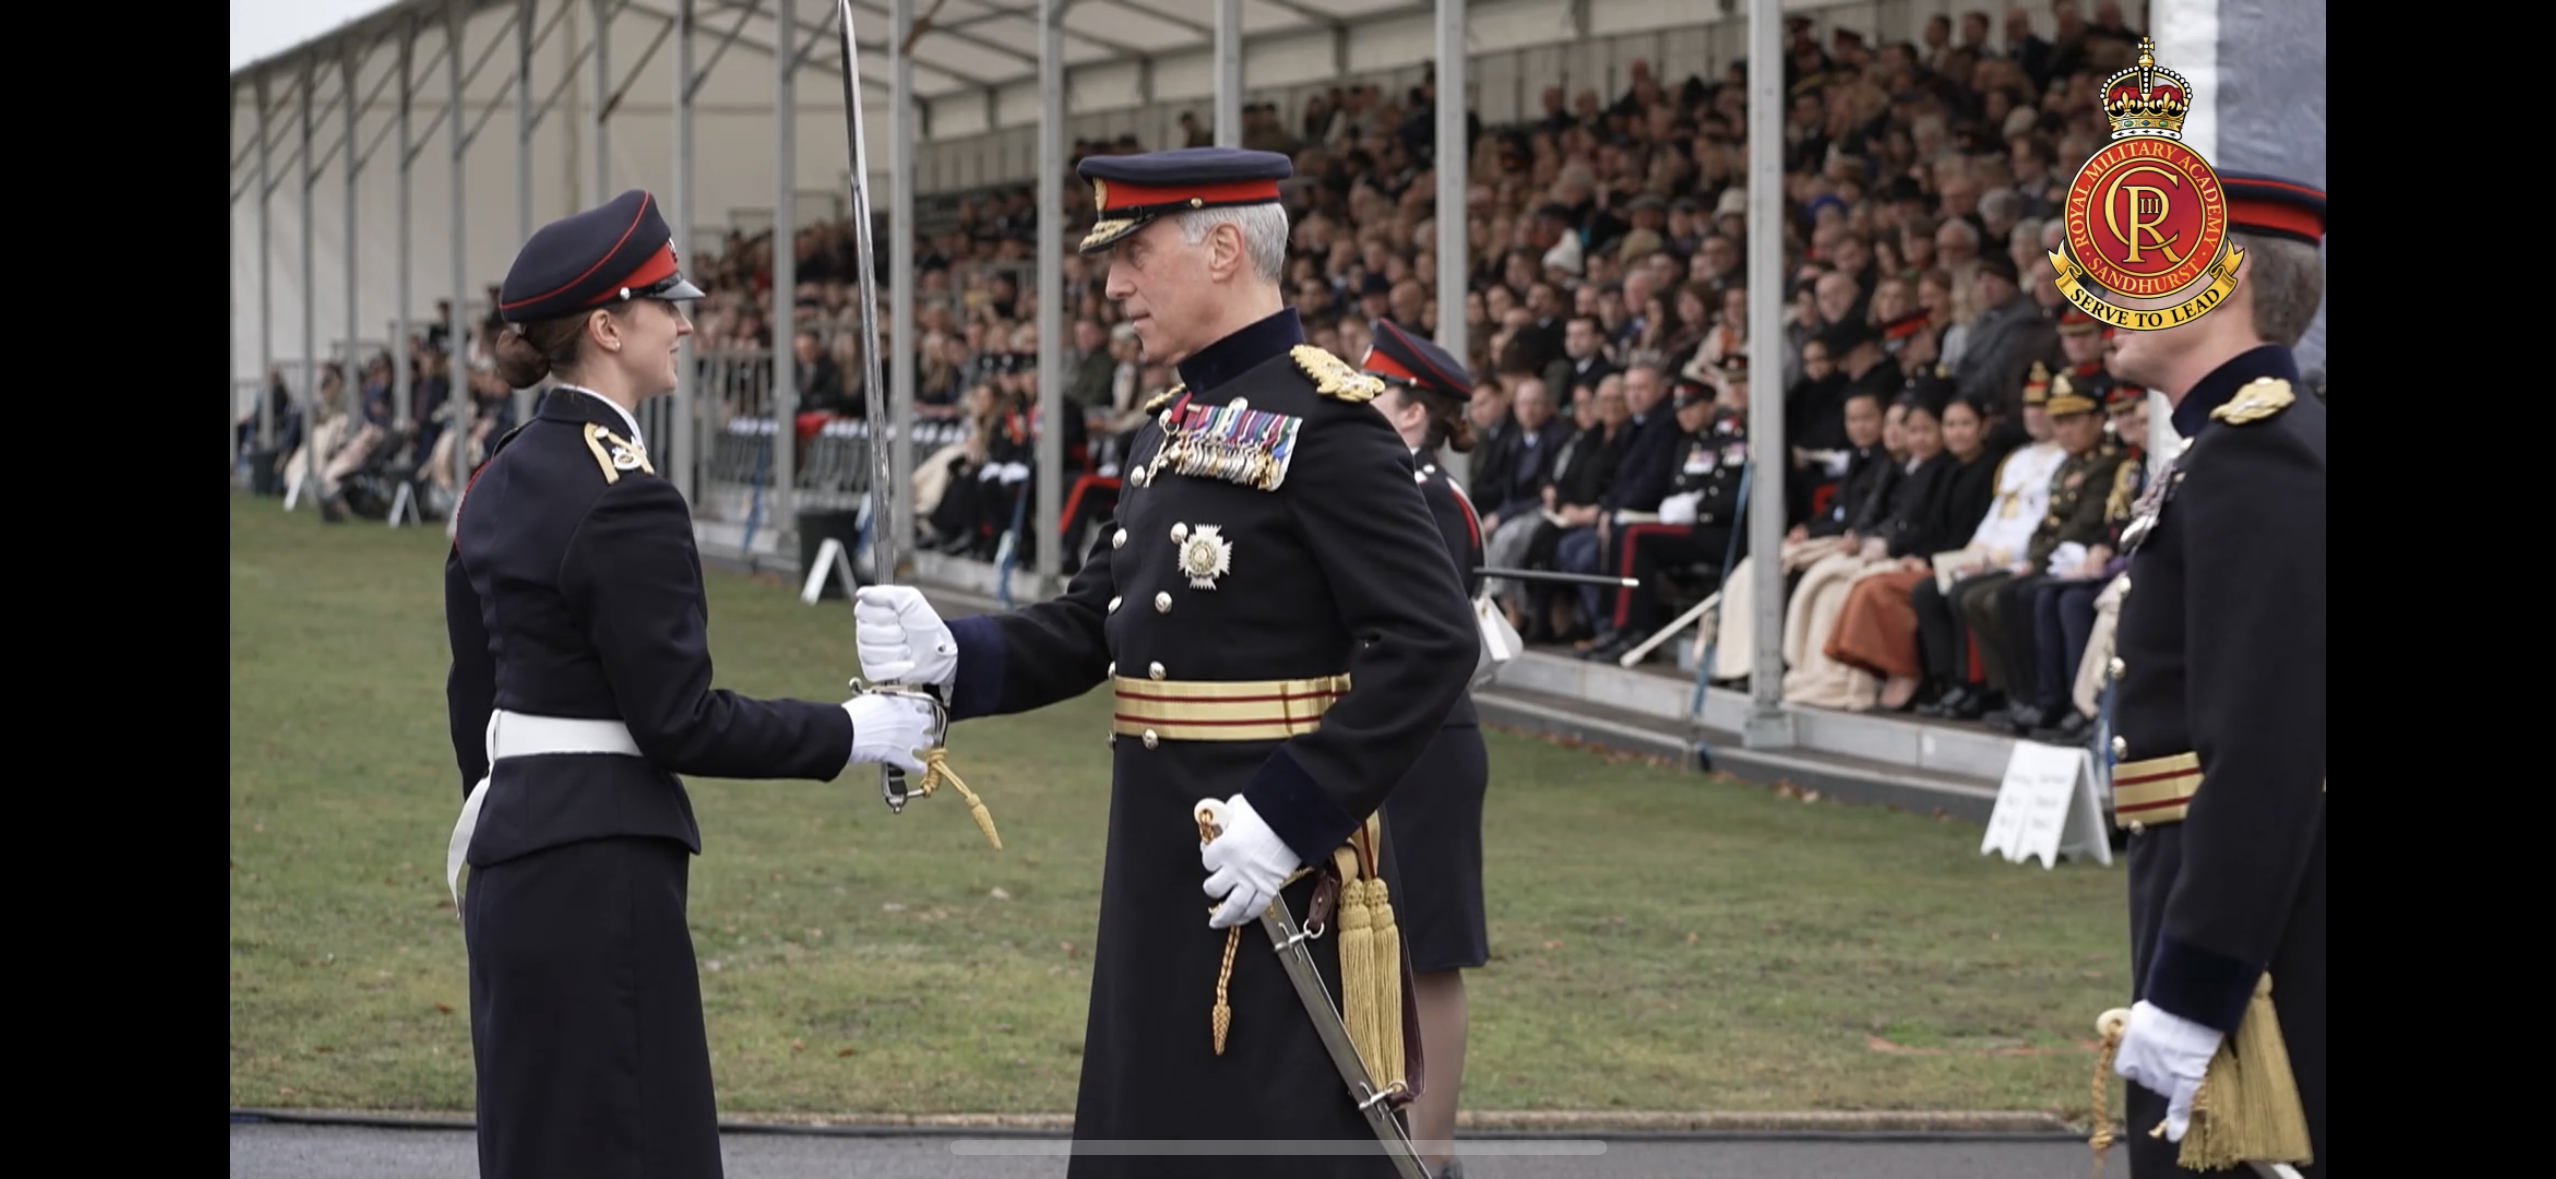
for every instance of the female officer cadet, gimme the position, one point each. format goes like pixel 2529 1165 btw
pixel 1434 820
pixel 580 688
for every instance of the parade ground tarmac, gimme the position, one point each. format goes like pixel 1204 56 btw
pixel 289 1151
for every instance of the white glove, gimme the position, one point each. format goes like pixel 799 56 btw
pixel 888 729
pixel 902 640
pixel 2166 1053
pixel 1245 865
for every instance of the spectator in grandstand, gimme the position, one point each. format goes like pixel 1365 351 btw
pixel 822 389
pixel 1643 472
pixel 1699 517
pixel 1876 631
pixel 2064 609
pixel 2001 618
pixel 1582 475
pixel 2004 341
pixel 1999 544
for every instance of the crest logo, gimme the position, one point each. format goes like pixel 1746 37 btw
pixel 2146 218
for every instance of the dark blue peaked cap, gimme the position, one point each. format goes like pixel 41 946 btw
pixel 1399 356
pixel 593 259
pixel 2274 207
pixel 1129 192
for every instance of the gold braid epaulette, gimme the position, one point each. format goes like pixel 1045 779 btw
pixel 1333 377
pixel 936 770
pixel 1164 398
pixel 2260 399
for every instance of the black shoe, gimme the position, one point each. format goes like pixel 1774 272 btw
pixel 1616 645
pixel 1976 705
pixel 2070 731
pixel 1949 704
pixel 2020 720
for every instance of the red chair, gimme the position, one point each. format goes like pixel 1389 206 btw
pixel 1821 497
pixel 1074 498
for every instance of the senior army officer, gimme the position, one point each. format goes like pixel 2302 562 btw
pixel 1276 616
pixel 2219 709
pixel 580 686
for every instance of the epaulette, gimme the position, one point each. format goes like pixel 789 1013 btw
pixel 1159 400
pixel 616 454
pixel 2125 490
pixel 2263 398
pixel 1332 376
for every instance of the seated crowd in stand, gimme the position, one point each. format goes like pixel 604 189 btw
pixel 1960 463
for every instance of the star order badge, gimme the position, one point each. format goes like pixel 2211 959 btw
pixel 1205 556
pixel 2146 217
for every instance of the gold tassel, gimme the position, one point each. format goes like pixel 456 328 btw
pixel 2248 1109
pixel 1221 1018
pixel 936 770
pixel 1388 1003
pixel 1357 959
pixel 2113 1023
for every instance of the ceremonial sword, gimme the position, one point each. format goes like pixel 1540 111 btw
pixel 1280 924
pixel 883 556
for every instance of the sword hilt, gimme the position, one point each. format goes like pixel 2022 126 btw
pixel 892 784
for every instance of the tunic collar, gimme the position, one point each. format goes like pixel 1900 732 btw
pixel 1247 349
pixel 2220 387
pixel 558 399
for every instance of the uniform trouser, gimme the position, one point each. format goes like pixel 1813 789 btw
pixel 1943 624
pixel 585 1015
pixel 2063 620
pixel 1992 625
pixel 2012 634
pixel 1640 551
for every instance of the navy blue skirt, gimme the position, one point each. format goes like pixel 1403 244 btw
pixel 1433 825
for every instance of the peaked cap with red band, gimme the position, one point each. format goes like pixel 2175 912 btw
pixel 1406 359
pixel 2274 207
pixel 593 259
pixel 1129 192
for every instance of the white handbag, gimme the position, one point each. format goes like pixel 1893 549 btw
pixel 1500 642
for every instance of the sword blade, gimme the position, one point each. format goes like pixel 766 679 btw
pixel 1280 923
pixel 883 538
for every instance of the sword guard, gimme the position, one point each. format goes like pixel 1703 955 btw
pixel 892 785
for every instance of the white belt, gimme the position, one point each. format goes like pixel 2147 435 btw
pixel 515 734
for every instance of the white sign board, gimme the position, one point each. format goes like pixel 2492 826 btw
pixel 829 559
pixel 2047 808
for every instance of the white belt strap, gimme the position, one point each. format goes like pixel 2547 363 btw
pixel 515 734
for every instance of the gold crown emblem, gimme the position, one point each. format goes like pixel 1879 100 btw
pixel 2147 99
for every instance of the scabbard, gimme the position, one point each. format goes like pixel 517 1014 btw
pixel 1376 1105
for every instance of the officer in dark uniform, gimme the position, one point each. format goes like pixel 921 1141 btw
pixel 2002 620
pixel 1700 514
pixel 2064 610
pixel 1274 612
pixel 579 689
pixel 2219 700
pixel 1434 818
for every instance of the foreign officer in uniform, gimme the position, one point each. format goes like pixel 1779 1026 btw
pixel 2219 705
pixel 1274 613
pixel 1435 816
pixel 2001 620
pixel 579 689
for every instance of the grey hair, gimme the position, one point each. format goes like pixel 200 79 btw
pixel 2000 202
pixel 1264 234
pixel 2287 279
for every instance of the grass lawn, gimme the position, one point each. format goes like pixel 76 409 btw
pixel 1662 940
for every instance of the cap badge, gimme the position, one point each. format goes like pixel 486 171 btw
pixel 1205 555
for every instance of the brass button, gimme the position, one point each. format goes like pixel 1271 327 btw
pixel 1180 532
pixel 1113 667
pixel 1151 740
pixel 2125 584
pixel 2137 827
pixel 1120 540
pixel 1113 740
pixel 2118 667
pixel 1113 607
pixel 2121 747
pixel 1241 403
pixel 1156 671
pixel 1162 603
